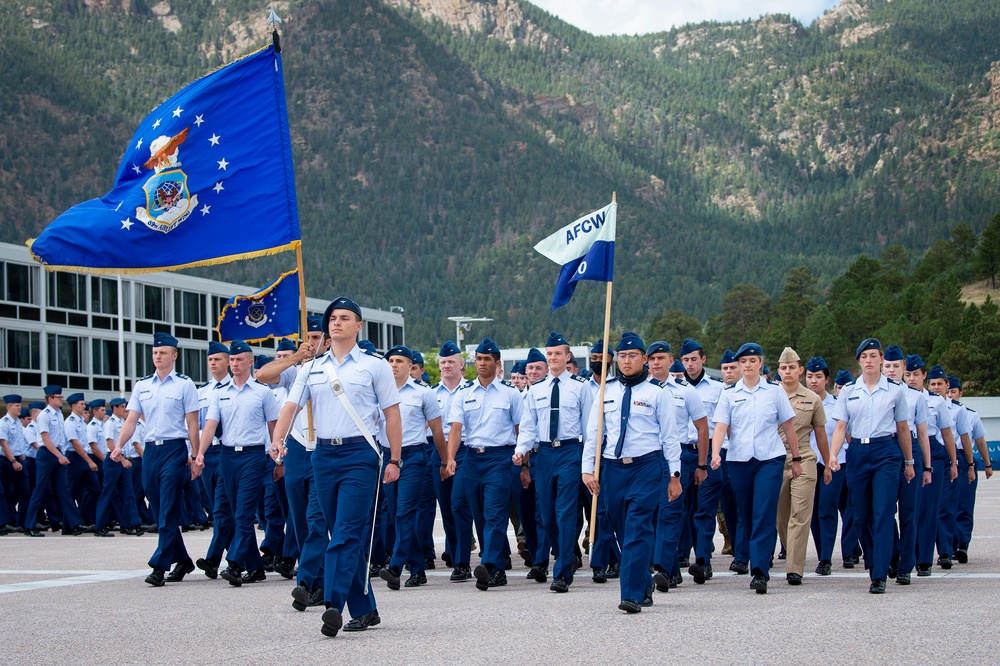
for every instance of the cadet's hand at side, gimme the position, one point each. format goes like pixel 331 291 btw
pixel 525 477
pixel 391 474
pixel 593 486
pixel 716 461
pixel 796 470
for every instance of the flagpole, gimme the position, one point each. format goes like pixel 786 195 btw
pixel 121 340
pixel 600 401
pixel 304 327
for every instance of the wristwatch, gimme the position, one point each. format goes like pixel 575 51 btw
pixel 703 468
pixel 797 459
pixel 397 463
pixel 929 469
pixel 676 475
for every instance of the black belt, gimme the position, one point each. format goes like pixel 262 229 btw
pixel 872 440
pixel 690 447
pixel 486 449
pixel 559 442
pixel 629 461
pixel 245 449
pixel 161 442
pixel 340 441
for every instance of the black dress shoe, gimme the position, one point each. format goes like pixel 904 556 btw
pixel 892 571
pixel 647 598
pixel 416 580
pixel 446 558
pixel 482 575
pixel 923 570
pixel 103 533
pixel 507 564
pixel 428 565
pixel 600 575
pixel 903 578
pixel 738 567
pixel 303 598
pixel 268 560
pixel 156 577
pixel 782 554
pixel 613 571
pixel 683 562
pixel 538 574
pixel 391 577
pixel 33 533
pixel 944 561
pixel 578 564
pixel 88 527
pixel 151 528
pixel 962 555
pixel 460 573
pixel 824 568
pixel 332 622
pixel 559 585
pixel 676 580
pixel 661 581
pixel 630 606
pixel 254 576
pixel 233 575
pixel 55 527
pixel 697 572
pixel 73 531
pixel 849 563
pixel 498 578
pixel 877 586
pixel 759 584
pixel 181 569
pixel 285 567
pixel 374 568
pixel 362 622
pixel 211 570
pixel 793 579
pixel 132 531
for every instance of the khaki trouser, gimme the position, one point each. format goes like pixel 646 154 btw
pixel 795 508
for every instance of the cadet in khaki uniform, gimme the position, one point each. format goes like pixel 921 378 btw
pixel 795 504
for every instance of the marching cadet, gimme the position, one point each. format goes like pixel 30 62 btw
pixel 517 376
pixel 117 490
pixel 141 506
pixel 844 377
pixel 558 410
pixel 640 431
pixel 488 413
pixel 51 467
pixel 831 494
pixel 211 475
pixel 795 505
pixel 418 410
pixel 948 514
pixel 874 411
pixel 82 471
pixel 677 369
pixel 532 540
pixel 168 401
pixel 751 410
pixel 348 388
pixel 451 366
pixel 692 430
pixel 967 491
pixel 96 445
pixel 427 511
pixel 247 413
pixel 535 367
pixel 13 475
pixel 33 439
pixel 942 445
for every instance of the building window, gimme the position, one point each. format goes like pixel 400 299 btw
pixel 191 362
pixel 189 308
pixel 65 354
pixel 105 357
pixel 21 350
pixel 18 283
pixel 153 305
pixel 68 291
pixel 104 296
pixel 396 336
pixel 144 359
pixel 374 329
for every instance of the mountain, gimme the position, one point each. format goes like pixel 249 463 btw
pixel 436 141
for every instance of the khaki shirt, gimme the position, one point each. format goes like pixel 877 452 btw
pixel 809 414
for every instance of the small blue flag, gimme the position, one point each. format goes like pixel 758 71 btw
pixel 585 249
pixel 272 312
pixel 206 178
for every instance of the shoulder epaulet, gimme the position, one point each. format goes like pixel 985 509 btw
pixel 372 353
pixel 969 408
pixel 150 376
pixel 182 376
pixel 682 382
pixel 657 382
pixel 609 380
pixel 467 383
pixel 578 378
pixel 959 404
pixel 538 382
pixel 436 385
pixel 913 388
pixel 507 383
pixel 730 387
pixel 774 383
pixel 420 382
pixel 851 383
pixel 209 383
pixel 893 381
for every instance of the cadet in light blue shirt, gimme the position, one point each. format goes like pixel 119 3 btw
pixel 751 411
pixel 83 484
pixel 13 476
pixel 961 428
pixel 117 488
pixel 873 409
pixel 51 466
pixel 967 491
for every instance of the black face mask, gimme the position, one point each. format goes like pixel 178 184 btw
pixel 597 367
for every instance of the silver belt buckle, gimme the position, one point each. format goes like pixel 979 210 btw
pixel 866 440
pixel 556 444
pixel 237 448
pixel 626 461
pixel 336 441
pixel 480 449
pixel 158 442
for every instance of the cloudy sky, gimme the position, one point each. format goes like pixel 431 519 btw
pixel 603 17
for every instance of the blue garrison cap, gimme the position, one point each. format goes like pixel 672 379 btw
pixel 341 303
pixel 449 348
pixel 676 366
pixel 117 401
pixel 556 340
pixel 96 403
pixel 869 343
pixel 749 349
pixel 728 356
pixel 817 364
pixel 586 374
pixel 425 378
pixel 400 350
pixel 689 346
pixel 535 356
pixel 517 368
pixel 765 370
pixel 36 405
pixel 74 397
pixel 260 360
pixel 287 345
pixel 162 339
pixel 893 353
pixel 314 323
pixel 367 345
pixel 843 378
pixel 598 347
pixel 914 362
pixel 937 372
pixel 11 398
pixel 487 346
pixel 658 347
pixel 239 347
pixel 53 389
pixel 217 348
pixel 25 413
pixel 954 382
pixel 629 341
pixel 418 358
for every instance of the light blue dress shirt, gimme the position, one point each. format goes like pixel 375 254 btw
pixel 872 413
pixel 164 405
pixel 205 399
pixel 244 412
pixel 417 406
pixel 113 428
pixel 689 406
pixel 488 415
pixel 963 422
pixel 95 435
pixel 76 429
pixel 444 400
pixel 50 420
pixel 575 401
pixel 938 416
pixel 32 437
pixel 753 417
pixel 709 390
pixel 12 431
pixel 829 402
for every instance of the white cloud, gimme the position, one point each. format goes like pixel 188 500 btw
pixel 605 17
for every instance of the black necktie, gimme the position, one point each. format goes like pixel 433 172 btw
pixel 554 411
pixel 626 408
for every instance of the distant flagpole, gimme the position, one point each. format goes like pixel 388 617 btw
pixel 600 398
pixel 121 340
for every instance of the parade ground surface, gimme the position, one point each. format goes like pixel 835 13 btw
pixel 82 600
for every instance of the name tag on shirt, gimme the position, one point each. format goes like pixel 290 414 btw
pixel 317 378
pixel 145 394
pixel 854 398
pixel 472 403
pixel 223 399
pixel 736 402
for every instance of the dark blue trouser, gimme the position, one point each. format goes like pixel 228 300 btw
pixel 222 511
pixel 541 548
pixel 966 504
pixel 757 485
pixel 191 511
pixel 83 486
pixel 715 488
pixel 117 493
pixel 632 493
pixel 305 515
pixel 275 511
pixel 139 492
pixel 443 491
pixel 243 473
pixel 163 472
pixel 605 550
pixel 686 537
pixel 930 504
pixel 385 523
pixel 346 480
pixel 49 474
pixel 17 489
pixel 428 503
pixel 904 536
pixel 873 481
pixel 833 499
pixel 670 517
pixel 409 495
pixel 557 481
pixel 948 512
pixel 483 481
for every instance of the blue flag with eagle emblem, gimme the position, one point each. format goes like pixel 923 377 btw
pixel 206 178
pixel 272 312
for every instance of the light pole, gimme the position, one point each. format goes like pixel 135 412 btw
pixel 462 322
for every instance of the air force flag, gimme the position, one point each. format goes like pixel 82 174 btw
pixel 272 312
pixel 585 249
pixel 206 178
